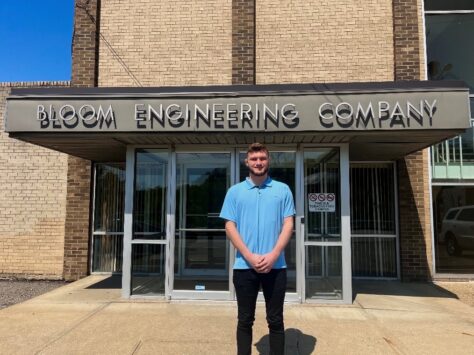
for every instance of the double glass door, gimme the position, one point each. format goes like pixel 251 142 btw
pixel 175 243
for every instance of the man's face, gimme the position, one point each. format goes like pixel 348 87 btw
pixel 258 163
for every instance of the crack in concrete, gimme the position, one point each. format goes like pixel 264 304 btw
pixel 392 345
pixel 71 328
pixel 383 331
pixel 137 347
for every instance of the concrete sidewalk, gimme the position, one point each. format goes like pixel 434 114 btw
pixel 386 318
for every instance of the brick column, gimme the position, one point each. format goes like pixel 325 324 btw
pixel 84 74
pixel 413 177
pixel 414 213
pixel 85 43
pixel 243 42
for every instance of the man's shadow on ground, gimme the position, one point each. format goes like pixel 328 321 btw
pixel 295 343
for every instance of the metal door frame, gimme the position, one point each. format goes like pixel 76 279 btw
pixel 128 240
pixel 345 242
pixel 234 151
pixel 191 294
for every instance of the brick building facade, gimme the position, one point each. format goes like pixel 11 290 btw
pixel 32 203
pixel 217 42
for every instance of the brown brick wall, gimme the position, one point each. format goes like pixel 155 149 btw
pixel 32 203
pixel 243 42
pixel 413 175
pixel 165 43
pixel 414 213
pixel 85 43
pixel 406 39
pixel 84 74
pixel 311 41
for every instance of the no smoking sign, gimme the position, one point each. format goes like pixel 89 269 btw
pixel 322 202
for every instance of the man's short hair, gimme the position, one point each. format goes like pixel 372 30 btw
pixel 257 147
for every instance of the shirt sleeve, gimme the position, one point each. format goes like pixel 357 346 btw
pixel 228 210
pixel 289 207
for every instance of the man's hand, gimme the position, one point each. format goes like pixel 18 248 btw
pixel 254 260
pixel 266 263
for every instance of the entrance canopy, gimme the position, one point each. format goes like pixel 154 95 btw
pixel 380 121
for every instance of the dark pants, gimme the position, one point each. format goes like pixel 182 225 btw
pixel 247 284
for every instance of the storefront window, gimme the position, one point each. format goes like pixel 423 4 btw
pixel 373 230
pixel 454 229
pixel 107 234
pixel 450 54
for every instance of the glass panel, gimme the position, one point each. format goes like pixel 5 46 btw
pixel 322 195
pixel 454 237
pixel 149 209
pixel 201 247
pixel 374 257
pixel 108 217
pixel 282 168
pixel 148 269
pixel 372 199
pixel 472 111
pixel 107 254
pixel 454 158
pixel 109 197
pixel 450 55
pixel 467 146
pixel 444 5
pixel 323 272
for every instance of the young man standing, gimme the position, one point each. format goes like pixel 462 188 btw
pixel 259 222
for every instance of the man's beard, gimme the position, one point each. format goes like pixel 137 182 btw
pixel 258 173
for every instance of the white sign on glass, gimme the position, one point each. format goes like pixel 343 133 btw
pixel 322 202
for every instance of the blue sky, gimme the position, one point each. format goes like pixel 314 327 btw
pixel 35 40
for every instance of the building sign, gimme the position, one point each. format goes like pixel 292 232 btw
pixel 322 202
pixel 235 112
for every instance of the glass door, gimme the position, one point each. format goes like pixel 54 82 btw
pixel 325 225
pixel 201 248
pixel 146 237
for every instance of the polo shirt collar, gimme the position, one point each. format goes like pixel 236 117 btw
pixel 250 185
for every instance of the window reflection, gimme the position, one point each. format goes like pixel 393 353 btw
pixel 449 56
pixel 201 246
pixel 150 195
pixel 148 269
pixel 454 229
pixel 323 272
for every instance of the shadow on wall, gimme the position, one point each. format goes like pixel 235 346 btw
pixel 296 342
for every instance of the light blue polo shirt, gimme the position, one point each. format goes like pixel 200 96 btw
pixel 258 212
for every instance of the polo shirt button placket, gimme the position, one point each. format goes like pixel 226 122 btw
pixel 258 217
